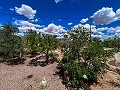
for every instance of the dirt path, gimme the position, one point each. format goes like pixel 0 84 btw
pixel 15 78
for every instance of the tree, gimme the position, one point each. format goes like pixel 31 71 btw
pixel 32 41
pixel 75 41
pixel 10 43
pixel 86 57
pixel 113 42
pixel 47 43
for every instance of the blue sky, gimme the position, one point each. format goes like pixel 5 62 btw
pixel 57 16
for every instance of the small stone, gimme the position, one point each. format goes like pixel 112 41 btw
pixel 29 76
pixel 43 83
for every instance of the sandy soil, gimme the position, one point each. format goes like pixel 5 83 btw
pixel 15 78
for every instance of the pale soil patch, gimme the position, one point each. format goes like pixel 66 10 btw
pixel 15 78
pixel 117 59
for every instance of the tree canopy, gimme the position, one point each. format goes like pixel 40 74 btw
pixel 10 43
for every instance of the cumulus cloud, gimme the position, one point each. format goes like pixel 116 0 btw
pixel 87 26
pixel 53 29
pixel 102 32
pixel 113 30
pixel 84 20
pixel 105 16
pixel 23 26
pixel 77 26
pixel 57 1
pixel 70 23
pixel 26 10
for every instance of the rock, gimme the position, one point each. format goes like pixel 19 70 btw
pixel 117 59
pixel 43 83
pixel 29 76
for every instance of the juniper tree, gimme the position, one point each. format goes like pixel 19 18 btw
pixel 10 43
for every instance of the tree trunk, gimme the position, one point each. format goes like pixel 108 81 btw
pixel 47 57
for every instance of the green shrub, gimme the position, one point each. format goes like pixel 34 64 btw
pixel 85 58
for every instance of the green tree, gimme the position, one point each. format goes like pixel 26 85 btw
pixel 74 42
pixel 32 41
pixel 10 43
pixel 47 43
pixel 86 58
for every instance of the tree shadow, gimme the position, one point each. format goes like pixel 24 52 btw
pixel 14 61
pixel 41 61
pixel 117 71
pixel 31 55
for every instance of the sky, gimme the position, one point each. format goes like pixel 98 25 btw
pixel 57 16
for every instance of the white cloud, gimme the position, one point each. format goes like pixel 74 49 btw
pixel 70 23
pixel 25 10
pixel 87 26
pixel 102 29
pixel 23 26
pixel 11 9
pixel 96 35
pixel 111 32
pixel 102 32
pixel 84 20
pixel 114 30
pixel 34 20
pixel 53 29
pixel 105 16
pixel 57 1
pixel 20 34
pixel 78 25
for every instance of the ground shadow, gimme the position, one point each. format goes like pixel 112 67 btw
pixel 31 55
pixel 13 61
pixel 41 61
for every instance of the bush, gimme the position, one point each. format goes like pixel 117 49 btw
pixel 83 72
pixel 85 59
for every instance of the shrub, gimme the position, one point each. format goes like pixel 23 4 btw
pixel 85 59
pixel 83 72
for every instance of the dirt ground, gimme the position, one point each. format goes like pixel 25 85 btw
pixel 16 77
